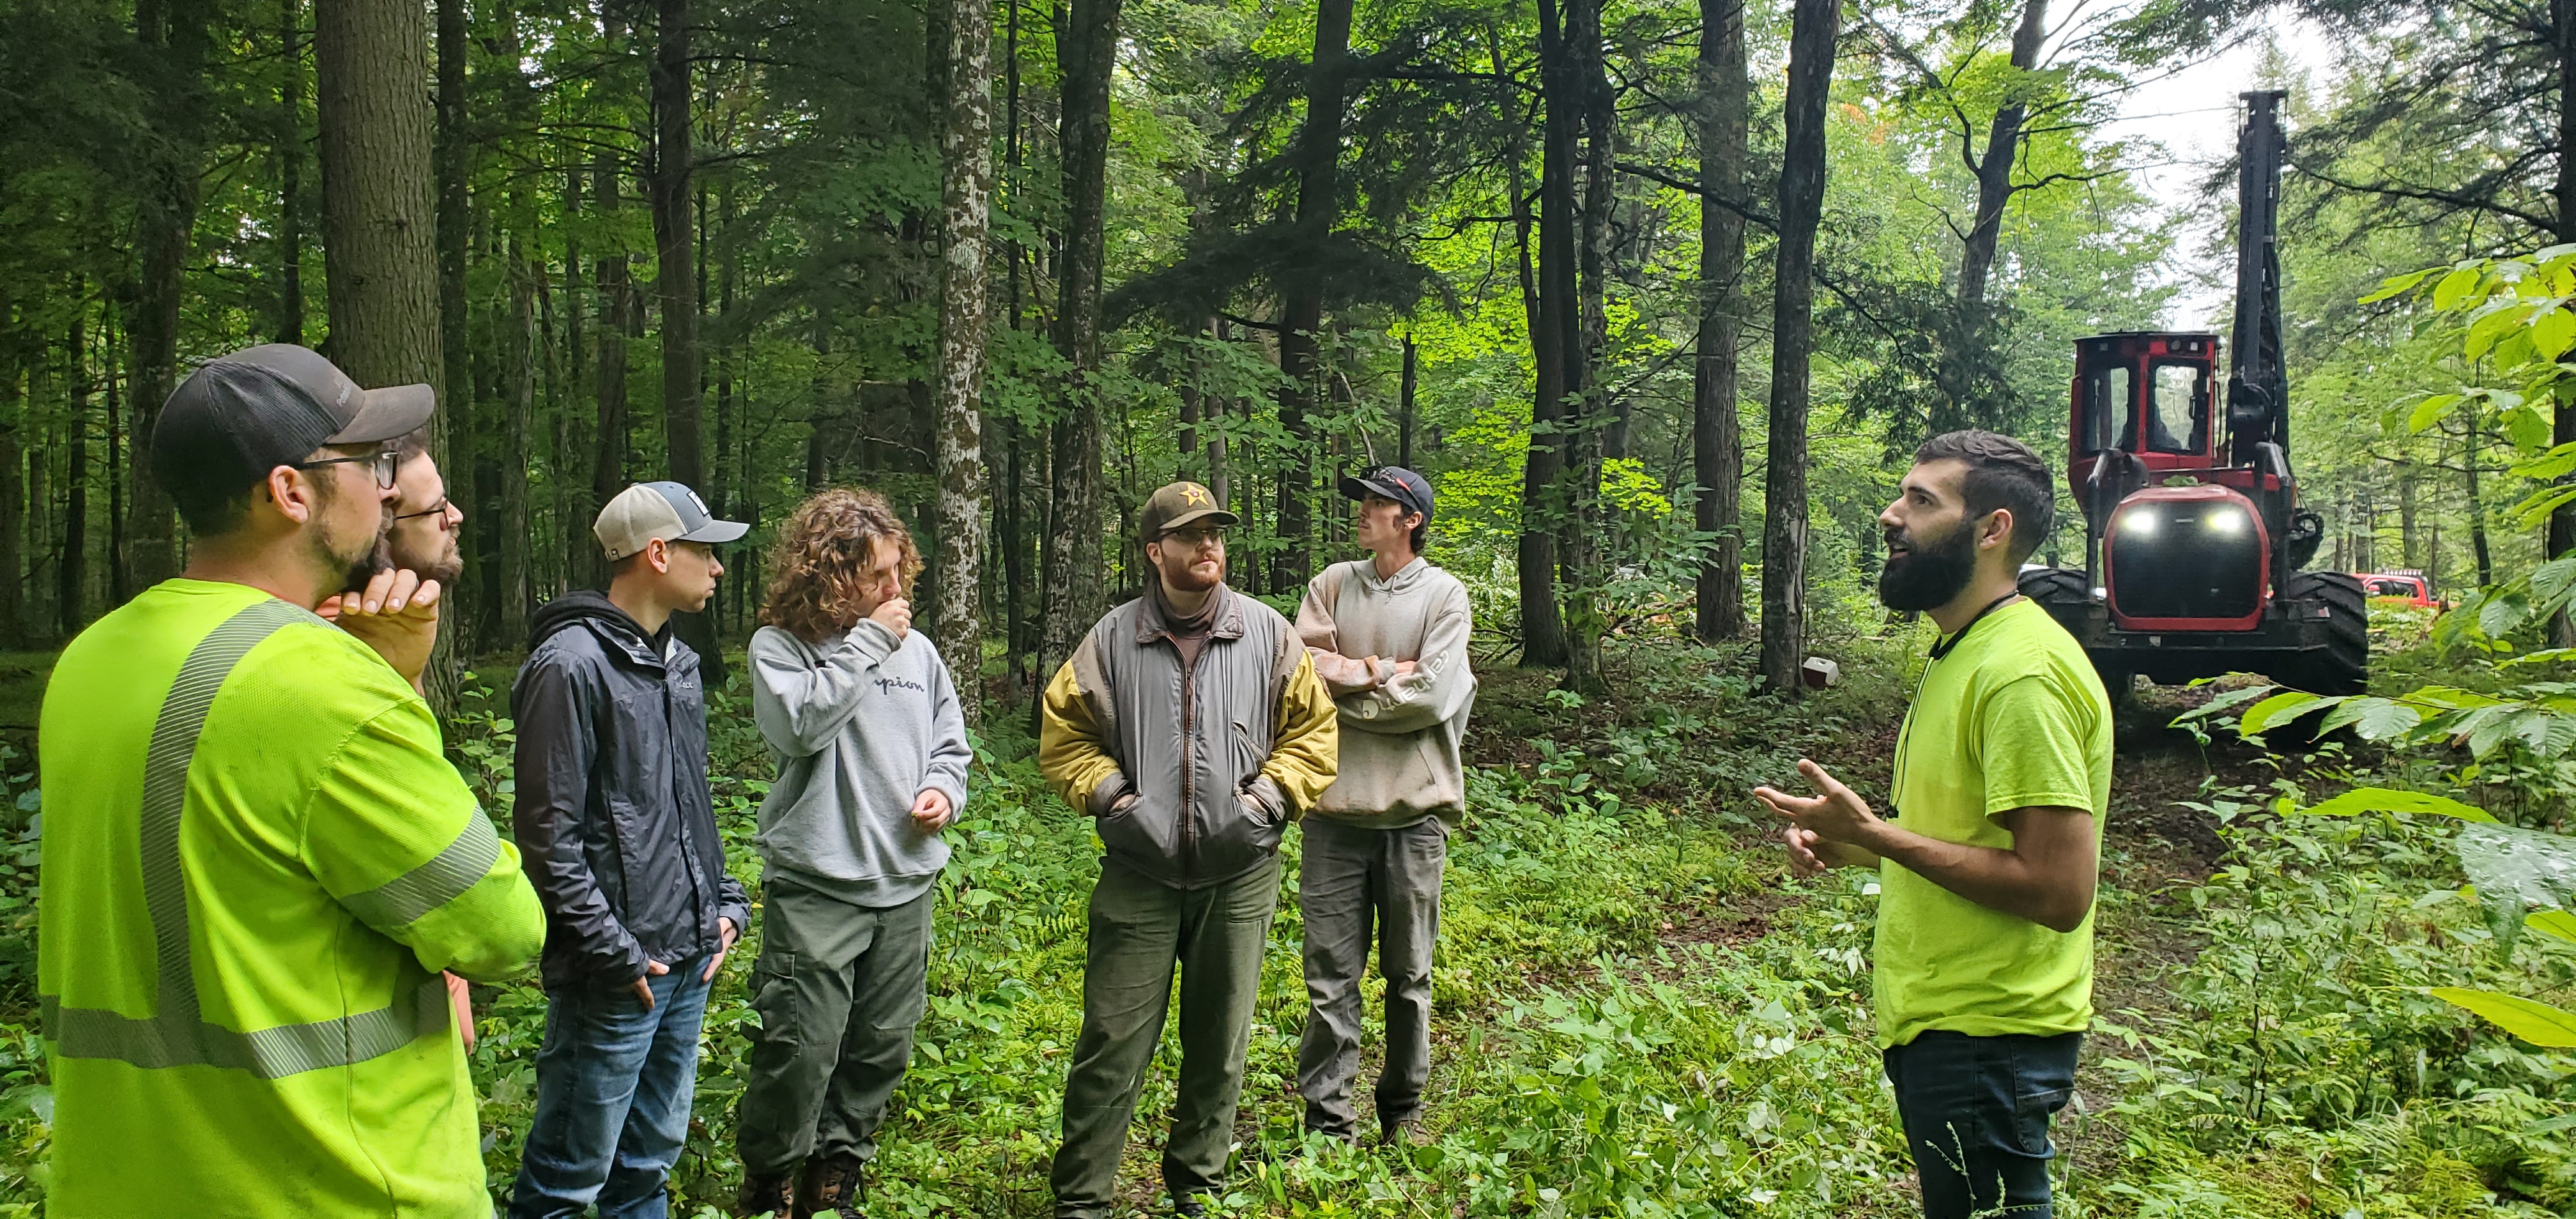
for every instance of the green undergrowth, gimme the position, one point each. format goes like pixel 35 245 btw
pixel 1637 1014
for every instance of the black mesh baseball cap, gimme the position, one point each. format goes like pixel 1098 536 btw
pixel 242 415
pixel 1392 482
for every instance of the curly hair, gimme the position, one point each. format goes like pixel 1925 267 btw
pixel 822 547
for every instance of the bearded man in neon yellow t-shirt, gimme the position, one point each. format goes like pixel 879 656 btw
pixel 1984 955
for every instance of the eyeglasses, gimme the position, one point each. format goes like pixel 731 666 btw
pixel 438 509
pixel 385 461
pixel 1195 537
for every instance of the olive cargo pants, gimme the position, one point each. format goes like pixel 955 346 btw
pixel 1356 887
pixel 838 988
pixel 1141 931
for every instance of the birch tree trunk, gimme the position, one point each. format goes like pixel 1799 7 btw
pixel 967 148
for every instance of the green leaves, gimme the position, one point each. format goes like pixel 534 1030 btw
pixel 2392 800
pixel 2516 870
pixel 2529 1019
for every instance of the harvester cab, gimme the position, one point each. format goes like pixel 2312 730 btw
pixel 2193 533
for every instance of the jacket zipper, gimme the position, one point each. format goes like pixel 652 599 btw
pixel 1189 768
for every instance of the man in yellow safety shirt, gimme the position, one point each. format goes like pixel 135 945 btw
pixel 256 860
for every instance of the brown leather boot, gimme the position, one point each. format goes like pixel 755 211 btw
pixel 832 1187
pixel 766 1194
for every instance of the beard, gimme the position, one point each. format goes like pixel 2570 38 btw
pixel 356 561
pixel 1927 573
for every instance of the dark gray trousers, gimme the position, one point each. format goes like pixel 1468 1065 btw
pixel 1359 885
pixel 838 990
pixel 1140 933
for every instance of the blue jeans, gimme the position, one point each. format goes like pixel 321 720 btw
pixel 614 1082
pixel 1976 1113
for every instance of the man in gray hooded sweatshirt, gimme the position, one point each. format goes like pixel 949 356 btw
pixel 1388 635
pixel 872 758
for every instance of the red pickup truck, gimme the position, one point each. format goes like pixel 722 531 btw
pixel 2408 587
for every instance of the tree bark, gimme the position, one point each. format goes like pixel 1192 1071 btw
pixel 13 497
pixel 1301 303
pixel 1556 347
pixel 967 149
pixel 1071 584
pixel 616 324
pixel 676 275
pixel 172 40
pixel 289 150
pixel 1589 427
pixel 1404 409
pixel 1994 169
pixel 1814 25
pixel 2561 540
pixel 73 572
pixel 380 269
pixel 1717 437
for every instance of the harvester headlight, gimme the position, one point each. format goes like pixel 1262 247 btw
pixel 2141 523
pixel 2227 520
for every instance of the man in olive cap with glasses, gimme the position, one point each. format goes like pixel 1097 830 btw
pixel 1190 724
pixel 256 859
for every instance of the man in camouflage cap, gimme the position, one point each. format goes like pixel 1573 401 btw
pixel 1191 725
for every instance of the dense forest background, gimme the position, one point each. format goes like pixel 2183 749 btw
pixel 1531 248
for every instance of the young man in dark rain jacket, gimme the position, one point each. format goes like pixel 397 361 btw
pixel 619 837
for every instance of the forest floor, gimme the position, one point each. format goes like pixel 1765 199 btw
pixel 1637 1010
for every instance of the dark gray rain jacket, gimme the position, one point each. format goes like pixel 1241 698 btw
pixel 612 815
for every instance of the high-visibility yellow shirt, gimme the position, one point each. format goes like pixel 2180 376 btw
pixel 256 861
pixel 2012 716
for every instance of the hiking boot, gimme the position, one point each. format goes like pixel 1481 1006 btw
pixel 1405 1133
pixel 832 1187
pixel 766 1194
pixel 1188 1206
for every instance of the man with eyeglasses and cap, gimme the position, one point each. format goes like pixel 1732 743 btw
pixel 620 836
pixel 256 859
pixel 1389 637
pixel 1190 725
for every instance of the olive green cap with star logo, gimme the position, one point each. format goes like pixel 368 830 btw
pixel 1177 506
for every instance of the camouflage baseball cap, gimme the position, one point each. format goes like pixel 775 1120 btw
pixel 1177 505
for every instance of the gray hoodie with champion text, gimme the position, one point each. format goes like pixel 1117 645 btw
pixel 862 723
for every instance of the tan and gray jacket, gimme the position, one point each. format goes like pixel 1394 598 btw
pixel 1402 734
pixel 1220 756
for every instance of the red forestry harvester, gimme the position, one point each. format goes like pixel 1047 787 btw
pixel 2194 536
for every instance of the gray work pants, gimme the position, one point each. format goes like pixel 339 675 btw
pixel 1359 885
pixel 1141 931
pixel 838 989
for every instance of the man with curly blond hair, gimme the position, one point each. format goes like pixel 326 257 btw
pixel 872 758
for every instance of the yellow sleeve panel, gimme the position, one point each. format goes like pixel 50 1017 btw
pixel 1072 753
pixel 1307 754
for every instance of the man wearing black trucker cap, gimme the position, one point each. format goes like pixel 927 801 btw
pixel 256 859
pixel 1389 637
pixel 620 835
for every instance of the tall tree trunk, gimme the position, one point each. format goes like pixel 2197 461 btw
pixel 1994 169
pixel 452 439
pixel 13 497
pixel 1588 427
pixel 1556 346
pixel 1301 305
pixel 616 324
pixel 676 283
pixel 1966 376
pixel 172 40
pixel 380 269
pixel 967 148
pixel 289 150
pixel 74 569
pixel 117 589
pixel 1814 25
pixel 1717 437
pixel 2561 540
pixel 1088 52
pixel 2406 534
pixel 518 411
pixel 1404 408
pixel 2477 505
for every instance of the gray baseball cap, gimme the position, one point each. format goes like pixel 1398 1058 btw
pixel 664 510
